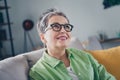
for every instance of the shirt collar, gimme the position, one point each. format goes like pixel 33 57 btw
pixel 53 61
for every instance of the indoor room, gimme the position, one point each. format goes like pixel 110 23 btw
pixel 96 28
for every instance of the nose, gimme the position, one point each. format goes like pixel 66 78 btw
pixel 62 29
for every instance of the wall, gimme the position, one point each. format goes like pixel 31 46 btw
pixel 87 16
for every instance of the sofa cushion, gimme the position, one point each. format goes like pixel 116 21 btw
pixel 110 59
pixel 76 43
pixel 14 68
pixel 33 56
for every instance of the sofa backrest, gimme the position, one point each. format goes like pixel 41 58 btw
pixel 33 56
pixel 76 43
pixel 14 68
pixel 94 43
pixel 17 68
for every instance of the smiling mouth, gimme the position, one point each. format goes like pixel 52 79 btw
pixel 62 38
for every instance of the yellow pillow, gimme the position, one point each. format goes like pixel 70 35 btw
pixel 110 58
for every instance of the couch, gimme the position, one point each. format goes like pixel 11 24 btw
pixel 17 67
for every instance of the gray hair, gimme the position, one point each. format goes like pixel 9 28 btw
pixel 43 20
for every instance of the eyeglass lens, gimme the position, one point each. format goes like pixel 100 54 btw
pixel 57 27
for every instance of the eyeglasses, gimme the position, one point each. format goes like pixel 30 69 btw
pixel 57 27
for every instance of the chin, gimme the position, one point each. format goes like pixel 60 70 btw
pixel 63 46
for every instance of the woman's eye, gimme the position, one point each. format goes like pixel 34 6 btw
pixel 67 27
pixel 56 26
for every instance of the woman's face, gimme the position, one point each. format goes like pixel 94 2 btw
pixel 59 39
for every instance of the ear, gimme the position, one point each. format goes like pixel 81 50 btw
pixel 42 37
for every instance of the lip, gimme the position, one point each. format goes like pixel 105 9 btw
pixel 62 37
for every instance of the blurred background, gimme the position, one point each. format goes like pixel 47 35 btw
pixel 89 17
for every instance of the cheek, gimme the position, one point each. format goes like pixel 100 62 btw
pixel 50 37
pixel 69 34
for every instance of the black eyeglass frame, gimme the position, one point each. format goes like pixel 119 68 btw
pixel 52 26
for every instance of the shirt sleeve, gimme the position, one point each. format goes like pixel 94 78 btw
pixel 100 72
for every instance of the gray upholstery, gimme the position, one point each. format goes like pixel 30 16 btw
pixel 94 43
pixel 76 43
pixel 33 57
pixel 17 68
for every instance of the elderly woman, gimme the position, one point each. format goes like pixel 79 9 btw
pixel 59 62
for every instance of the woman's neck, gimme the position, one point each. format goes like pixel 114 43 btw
pixel 60 54
pixel 57 53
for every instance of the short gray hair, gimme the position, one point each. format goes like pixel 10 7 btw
pixel 43 20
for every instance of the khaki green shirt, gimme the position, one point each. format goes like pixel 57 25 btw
pixel 82 64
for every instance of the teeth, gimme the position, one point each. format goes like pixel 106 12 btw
pixel 62 38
